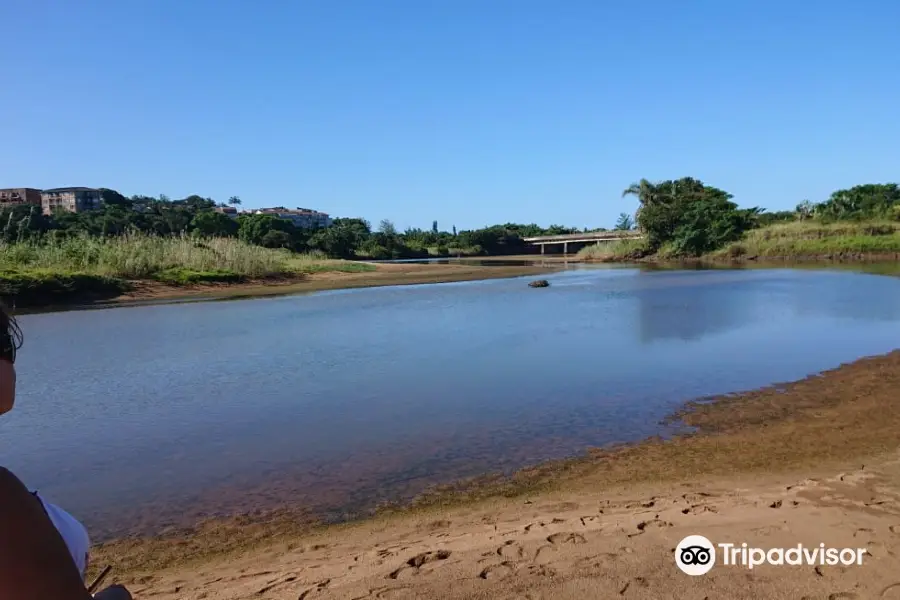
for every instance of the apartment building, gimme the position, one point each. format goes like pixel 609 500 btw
pixel 303 218
pixel 13 196
pixel 72 199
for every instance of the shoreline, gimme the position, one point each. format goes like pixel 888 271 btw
pixel 394 274
pixel 834 420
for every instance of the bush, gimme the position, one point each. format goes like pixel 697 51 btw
pixel 617 251
pixel 45 288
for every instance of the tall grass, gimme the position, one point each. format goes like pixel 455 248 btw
pixel 814 238
pixel 619 250
pixel 142 256
pixel 52 271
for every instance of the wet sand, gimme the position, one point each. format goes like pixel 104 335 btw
pixel 814 461
pixel 385 274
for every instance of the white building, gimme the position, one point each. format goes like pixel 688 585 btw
pixel 302 218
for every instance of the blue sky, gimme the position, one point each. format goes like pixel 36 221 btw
pixel 471 112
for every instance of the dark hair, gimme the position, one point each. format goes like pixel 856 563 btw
pixel 10 335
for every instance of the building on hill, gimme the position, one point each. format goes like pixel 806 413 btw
pixel 72 199
pixel 227 210
pixel 13 196
pixel 302 218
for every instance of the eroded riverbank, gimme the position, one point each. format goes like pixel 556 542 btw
pixel 820 449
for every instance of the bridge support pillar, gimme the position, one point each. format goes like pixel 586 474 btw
pixel 542 248
pixel 565 248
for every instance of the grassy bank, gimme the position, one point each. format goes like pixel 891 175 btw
pixel 812 239
pixel 84 268
pixel 797 240
pixel 618 251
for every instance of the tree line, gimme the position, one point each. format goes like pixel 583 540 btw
pixel 196 215
pixel 691 218
pixel 686 215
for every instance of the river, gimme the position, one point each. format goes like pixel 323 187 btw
pixel 142 417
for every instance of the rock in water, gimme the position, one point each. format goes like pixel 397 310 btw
pixel 539 283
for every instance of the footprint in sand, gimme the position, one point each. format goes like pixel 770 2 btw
pixel 383 593
pixel 645 526
pixel 414 564
pixel 538 525
pixel 278 583
pixel 318 588
pixel 511 551
pixel 891 591
pixel 591 521
pixel 543 554
pixel 499 571
pixel 699 509
pixel 634 587
pixel 566 538
pixel 697 497
pixel 596 561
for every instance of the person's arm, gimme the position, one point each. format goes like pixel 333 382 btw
pixel 34 559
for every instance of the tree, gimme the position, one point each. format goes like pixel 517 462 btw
pixel 693 217
pixel 113 198
pixel 234 201
pixel 805 210
pixel 275 238
pixel 214 224
pixel 253 228
pixel 872 200
pixel 387 228
pixel 625 222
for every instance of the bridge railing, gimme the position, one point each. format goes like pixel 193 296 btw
pixel 594 235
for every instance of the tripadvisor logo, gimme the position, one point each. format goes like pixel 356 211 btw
pixel 696 555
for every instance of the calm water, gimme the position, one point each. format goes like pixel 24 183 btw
pixel 134 418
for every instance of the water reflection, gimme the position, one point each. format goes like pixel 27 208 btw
pixel 692 305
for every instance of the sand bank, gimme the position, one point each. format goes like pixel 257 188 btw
pixel 810 462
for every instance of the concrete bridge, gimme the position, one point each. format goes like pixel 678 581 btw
pixel 594 237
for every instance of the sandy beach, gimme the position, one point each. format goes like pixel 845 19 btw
pixel 811 462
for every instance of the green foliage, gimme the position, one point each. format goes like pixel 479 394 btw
pixel 688 216
pixel 194 216
pixel 210 223
pixel 783 216
pixel 624 222
pixel 869 201
pixel 141 256
pixel 617 251
pixel 682 217
pixel 812 238
pixel 41 288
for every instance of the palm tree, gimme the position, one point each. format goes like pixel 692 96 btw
pixel 234 200
pixel 646 192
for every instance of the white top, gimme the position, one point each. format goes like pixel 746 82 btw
pixel 72 532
